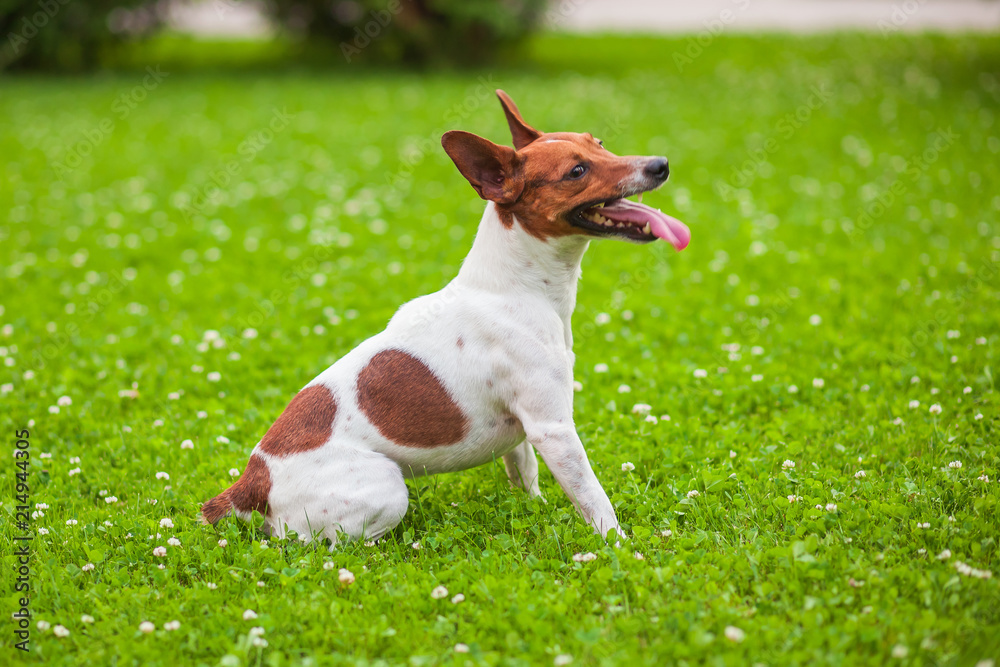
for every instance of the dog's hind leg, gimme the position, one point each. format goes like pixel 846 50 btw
pixel 359 495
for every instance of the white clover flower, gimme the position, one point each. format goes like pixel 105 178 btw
pixel 157 422
pixel 756 378
pixel 652 419
pixel 831 507
pixel 733 633
pixel 187 444
pixel 222 439
pixel 914 404
pixel 970 571
pixel 256 632
pixel 223 543
pixel 641 409
pixel 249 333
pixel 174 542
pixel 259 642
pixel 214 376
pixel 60 631
pixel 146 627
pixel 577 385
pixel 233 472
pixel 787 464
pixel 74 471
pixel 86 618
pixel 794 499
pixel 624 389
pixel 815 320
pixel 87 567
pixel 64 401
pixel 54 410
pixel 982 478
pixel 43 625
pixel 898 421
pixel 981 341
pixel 261 584
pixel 859 474
pixel 43 531
pixel 459 598
pixel 201 414
pixel 732 454
pixel 756 350
pixel 439 592
pixel 172 625
pixel 602 318
pixel 166 523
pixel 944 555
pixel 461 648
pixel 345 576
pixel 924 525
pixel 979 415
pixel 935 409
pixel 700 373
pixel 865 387
pixel 955 464
pixel 666 533
pixel 818 383
pixel 416 545
pixel 628 466
pixel 638 556
pixel 792 389
pixel 899 651
pixel 211 586
pixel 693 493
pixel 601 368
pixel 111 500
pixel 162 475
pixel 160 552
pixel 935 391
pixel 71 522
pixel 249 615
pixel 562 659
pixel 952 333
pixel 584 557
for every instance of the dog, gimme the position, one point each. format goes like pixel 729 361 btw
pixel 479 370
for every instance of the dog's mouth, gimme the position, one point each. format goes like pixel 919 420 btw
pixel 630 221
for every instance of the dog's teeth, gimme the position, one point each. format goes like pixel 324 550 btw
pixel 645 230
pixel 639 198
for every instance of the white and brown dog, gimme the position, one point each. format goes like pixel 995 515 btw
pixel 481 369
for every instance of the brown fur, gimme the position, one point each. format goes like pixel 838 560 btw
pixel 407 403
pixel 305 424
pixel 249 493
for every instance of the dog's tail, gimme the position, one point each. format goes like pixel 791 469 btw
pixel 213 510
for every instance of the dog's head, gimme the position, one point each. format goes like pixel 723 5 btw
pixel 564 183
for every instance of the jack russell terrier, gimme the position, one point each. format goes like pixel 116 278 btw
pixel 481 369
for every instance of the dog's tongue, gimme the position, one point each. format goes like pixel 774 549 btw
pixel 661 225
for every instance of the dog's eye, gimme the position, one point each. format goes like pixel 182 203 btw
pixel 577 172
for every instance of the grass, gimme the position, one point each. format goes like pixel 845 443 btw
pixel 845 241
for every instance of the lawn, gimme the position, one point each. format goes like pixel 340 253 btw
pixel 815 482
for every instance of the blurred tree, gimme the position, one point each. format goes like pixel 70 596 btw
pixel 417 32
pixel 71 34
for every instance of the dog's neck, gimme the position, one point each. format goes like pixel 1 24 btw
pixel 508 260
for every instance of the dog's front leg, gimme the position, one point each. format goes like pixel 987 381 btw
pixel 522 468
pixel 563 452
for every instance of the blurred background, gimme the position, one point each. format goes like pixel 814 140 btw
pixel 88 34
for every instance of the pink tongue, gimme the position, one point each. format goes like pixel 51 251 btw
pixel 662 225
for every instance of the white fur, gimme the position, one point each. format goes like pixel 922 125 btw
pixel 511 305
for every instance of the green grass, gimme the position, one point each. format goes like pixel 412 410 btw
pixel 111 279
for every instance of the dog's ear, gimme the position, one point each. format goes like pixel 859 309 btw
pixel 491 169
pixel 522 133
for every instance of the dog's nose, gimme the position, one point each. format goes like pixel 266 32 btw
pixel 658 168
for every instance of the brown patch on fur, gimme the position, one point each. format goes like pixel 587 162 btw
pixel 249 493
pixel 407 403
pixel 305 424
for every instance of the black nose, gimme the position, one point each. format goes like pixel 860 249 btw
pixel 658 168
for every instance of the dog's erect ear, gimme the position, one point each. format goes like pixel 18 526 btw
pixel 522 133
pixel 492 170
